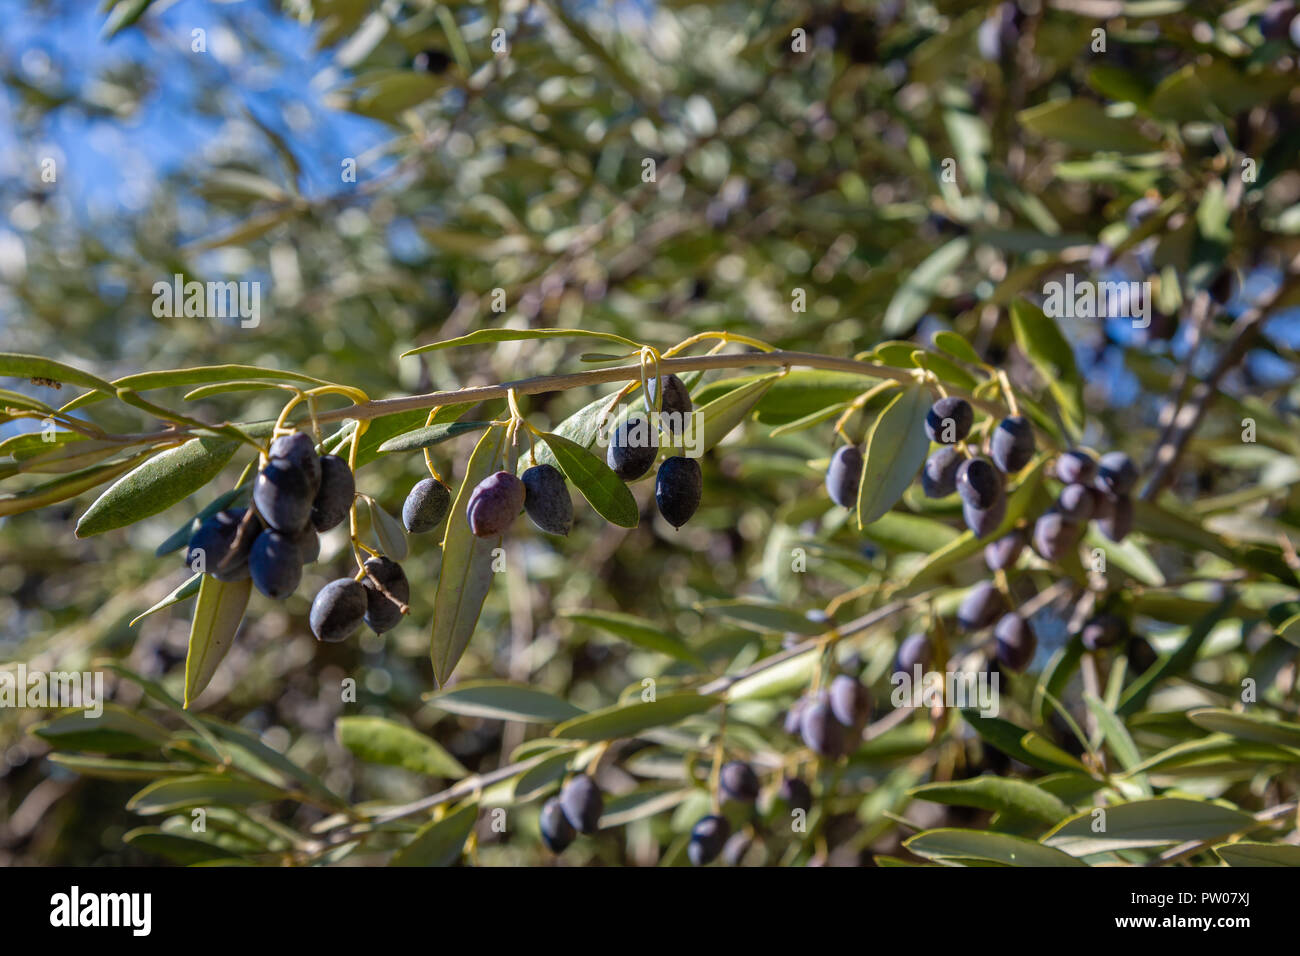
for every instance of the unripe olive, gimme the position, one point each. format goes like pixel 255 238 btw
pixel 275 564
pixel 382 614
pixel 708 837
pixel 557 831
pixel 737 781
pixel 978 483
pixel 1116 473
pixel 843 475
pixel 939 476
pixel 582 803
pixel 426 506
pixel 338 610
pixel 949 420
pixel 1012 445
pixel 283 495
pixel 632 448
pixel 546 499
pixel 298 449
pixel 333 499
pixel 1005 551
pixel 495 503
pixel 1076 466
pixel 981 607
pixel 214 544
pixel 679 484
pixel 1016 642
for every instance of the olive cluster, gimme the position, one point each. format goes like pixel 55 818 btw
pixel 1092 490
pixel 831 721
pixel 296 496
pixel 576 810
pixel 739 786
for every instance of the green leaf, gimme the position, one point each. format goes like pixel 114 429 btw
pixel 763 616
pixel 641 803
pixel 1136 694
pixel 896 449
pixel 1020 744
pixel 951 845
pixel 466 573
pixel 996 793
pixel 1245 853
pixel 603 489
pixel 389 532
pixel 69 486
pixel 1050 352
pixel 250 754
pixel 216 620
pixel 541 778
pixel 1246 726
pixel 116 730
pixel 377 740
pixel 15 365
pixel 1084 124
pixel 515 335
pixel 727 411
pixel 440 842
pixel 1128 555
pixel 913 296
pixel 185 850
pixel 199 375
pixel 104 768
pixel 503 700
pixel 1162 821
pixel 11 399
pixel 1114 732
pixel 157 484
pixel 183 592
pixel 430 435
pixel 638 631
pixel 201 790
pixel 628 720
pixel 956 346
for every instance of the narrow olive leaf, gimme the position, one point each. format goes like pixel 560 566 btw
pixel 627 720
pixel 996 793
pixel 957 347
pixel 199 375
pixel 216 619
pixel 466 572
pixel 515 335
pixel 1246 853
pixel 14 365
pixel 913 296
pixel 896 449
pixel 603 489
pixel 182 592
pixel 1050 352
pixel 430 435
pixel 1246 726
pixel 641 803
pixel 181 536
pixel 811 419
pixel 105 768
pixel 1136 694
pixel 1084 124
pixel 179 848
pixel 793 395
pixel 725 412
pixel 377 740
pixel 535 781
pixel 1128 555
pixel 66 457
pixel 440 842
pixel 638 631
pixel 250 754
pixel 9 399
pixel 503 700
pixel 116 730
pixel 1023 745
pixel 1162 821
pixel 69 486
pixel 157 484
pixel 201 790
pixel 1115 734
pixel 763 616
pixel 388 530
pixel 946 370
pixel 952 845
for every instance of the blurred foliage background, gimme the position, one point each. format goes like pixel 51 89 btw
pixel 778 177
